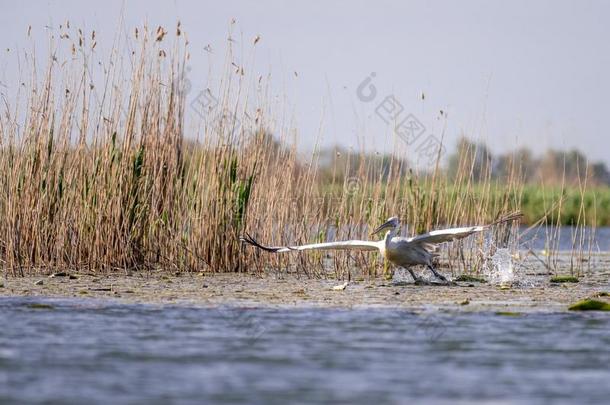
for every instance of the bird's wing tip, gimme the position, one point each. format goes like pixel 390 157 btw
pixel 251 241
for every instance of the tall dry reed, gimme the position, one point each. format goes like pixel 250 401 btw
pixel 102 174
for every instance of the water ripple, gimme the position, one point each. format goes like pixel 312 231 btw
pixel 88 351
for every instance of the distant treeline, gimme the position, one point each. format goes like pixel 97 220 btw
pixel 552 168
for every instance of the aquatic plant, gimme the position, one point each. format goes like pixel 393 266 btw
pixel 590 305
pixel 467 278
pixel 564 279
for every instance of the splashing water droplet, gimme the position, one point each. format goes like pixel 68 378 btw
pixel 500 271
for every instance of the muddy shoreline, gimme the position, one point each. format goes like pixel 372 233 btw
pixel 243 290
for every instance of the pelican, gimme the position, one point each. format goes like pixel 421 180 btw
pixel 398 250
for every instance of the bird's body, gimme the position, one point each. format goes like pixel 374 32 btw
pixel 398 250
pixel 401 252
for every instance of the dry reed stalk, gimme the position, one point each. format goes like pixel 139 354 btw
pixel 106 179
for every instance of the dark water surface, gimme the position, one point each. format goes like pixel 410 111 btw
pixel 565 239
pixel 99 352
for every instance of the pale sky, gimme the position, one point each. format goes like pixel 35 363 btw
pixel 531 73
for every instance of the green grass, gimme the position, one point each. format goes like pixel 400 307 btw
pixel 536 201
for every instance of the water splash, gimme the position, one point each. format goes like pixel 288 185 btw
pixel 500 269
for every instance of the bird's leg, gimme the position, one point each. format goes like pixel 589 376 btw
pixel 437 274
pixel 418 280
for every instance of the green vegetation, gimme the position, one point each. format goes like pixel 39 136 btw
pixel 40 306
pixel 590 305
pixel 467 278
pixel 536 201
pixel 564 279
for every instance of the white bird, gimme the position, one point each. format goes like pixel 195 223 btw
pixel 398 250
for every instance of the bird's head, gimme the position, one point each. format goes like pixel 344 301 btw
pixel 391 223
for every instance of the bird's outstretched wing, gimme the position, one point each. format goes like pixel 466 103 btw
pixel 446 235
pixel 450 234
pixel 343 245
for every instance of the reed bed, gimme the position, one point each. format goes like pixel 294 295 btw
pixel 102 174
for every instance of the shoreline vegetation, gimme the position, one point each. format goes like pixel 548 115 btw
pixel 107 168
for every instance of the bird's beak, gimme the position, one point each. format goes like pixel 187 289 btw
pixel 380 228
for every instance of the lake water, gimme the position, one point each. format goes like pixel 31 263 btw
pixel 536 238
pixel 80 351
